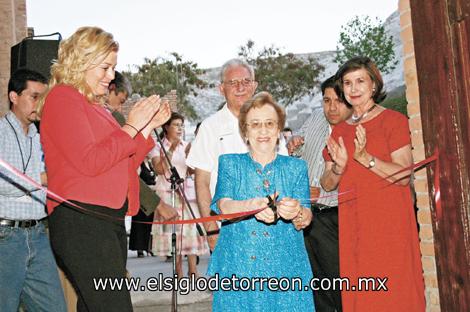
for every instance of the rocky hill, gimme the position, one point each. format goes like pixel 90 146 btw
pixel 209 100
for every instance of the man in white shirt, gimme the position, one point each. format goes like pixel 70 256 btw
pixel 219 135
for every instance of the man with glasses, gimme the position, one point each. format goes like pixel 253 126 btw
pixel 28 271
pixel 219 134
pixel 321 237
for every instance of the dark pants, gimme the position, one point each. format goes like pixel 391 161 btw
pixel 140 232
pixel 89 246
pixel 321 240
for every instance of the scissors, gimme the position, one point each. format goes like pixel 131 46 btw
pixel 272 204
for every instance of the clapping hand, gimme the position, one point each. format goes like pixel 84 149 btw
pixel 360 142
pixel 142 111
pixel 338 153
pixel 161 116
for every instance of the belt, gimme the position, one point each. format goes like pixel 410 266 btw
pixel 320 208
pixel 20 223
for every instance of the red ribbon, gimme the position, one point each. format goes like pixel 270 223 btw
pixel 437 186
pixel 230 216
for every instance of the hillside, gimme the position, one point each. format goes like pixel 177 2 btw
pixel 209 100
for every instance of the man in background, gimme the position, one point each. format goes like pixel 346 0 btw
pixel 119 91
pixel 321 237
pixel 219 134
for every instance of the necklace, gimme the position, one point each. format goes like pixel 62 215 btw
pixel 25 166
pixel 356 119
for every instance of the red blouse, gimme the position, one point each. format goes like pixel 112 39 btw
pixel 88 157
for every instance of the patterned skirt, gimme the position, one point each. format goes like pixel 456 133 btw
pixel 188 241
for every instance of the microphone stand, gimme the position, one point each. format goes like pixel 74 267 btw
pixel 176 185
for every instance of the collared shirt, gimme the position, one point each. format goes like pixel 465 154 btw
pixel 15 202
pixel 218 134
pixel 316 131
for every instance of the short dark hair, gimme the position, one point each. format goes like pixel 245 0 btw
pixel 366 63
pixel 328 83
pixel 174 116
pixel 19 80
pixel 287 129
pixel 120 84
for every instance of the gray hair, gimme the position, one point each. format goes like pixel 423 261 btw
pixel 236 62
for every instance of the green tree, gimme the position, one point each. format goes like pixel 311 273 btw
pixel 286 76
pixel 161 75
pixel 363 37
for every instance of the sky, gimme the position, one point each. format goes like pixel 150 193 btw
pixel 208 32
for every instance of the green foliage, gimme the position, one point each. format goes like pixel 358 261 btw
pixel 362 37
pixel 397 103
pixel 287 77
pixel 160 75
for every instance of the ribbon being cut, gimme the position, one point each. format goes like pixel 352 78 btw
pixel 53 196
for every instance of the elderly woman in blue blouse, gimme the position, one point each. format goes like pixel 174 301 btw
pixel 269 245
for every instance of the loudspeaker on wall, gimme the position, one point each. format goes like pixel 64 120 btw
pixel 34 54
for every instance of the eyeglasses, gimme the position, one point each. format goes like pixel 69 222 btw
pixel 235 83
pixel 258 124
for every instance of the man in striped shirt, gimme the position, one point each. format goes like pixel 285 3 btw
pixel 321 237
pixel 28 272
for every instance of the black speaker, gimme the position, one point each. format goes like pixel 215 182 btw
pixel 34 54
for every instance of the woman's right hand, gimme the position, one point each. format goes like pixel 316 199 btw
pixel 266 215
pixel 338 152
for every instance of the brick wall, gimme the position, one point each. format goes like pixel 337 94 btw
pixel 12 30
pixel 421 186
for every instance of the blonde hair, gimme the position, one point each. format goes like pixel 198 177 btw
pixel 84 49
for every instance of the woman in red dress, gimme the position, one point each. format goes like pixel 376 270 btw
pixel 378 235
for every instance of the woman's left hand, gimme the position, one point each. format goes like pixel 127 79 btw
pixel 360 142
pixel 288 208
pixel 303 220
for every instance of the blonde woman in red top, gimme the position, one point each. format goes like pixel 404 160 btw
pixel 92 162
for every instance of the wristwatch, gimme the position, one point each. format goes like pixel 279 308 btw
pixel 371 163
